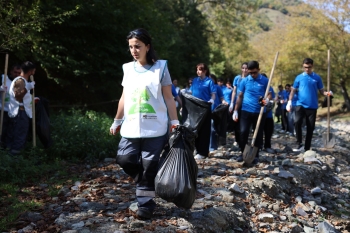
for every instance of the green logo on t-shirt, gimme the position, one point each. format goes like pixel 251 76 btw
pixel 140 105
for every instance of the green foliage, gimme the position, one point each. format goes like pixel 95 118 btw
pixel 82 135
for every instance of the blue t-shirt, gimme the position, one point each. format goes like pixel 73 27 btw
pixel 252 90
pixel 218 97
pixel 203 88
pixel 294 100
pixel 308 86
pixel 237 80
pixel 227 93
pixel 269 114
pixel 282 96
pixel 173 90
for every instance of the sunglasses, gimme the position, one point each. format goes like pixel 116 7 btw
pixel 307 67
pixel 255 72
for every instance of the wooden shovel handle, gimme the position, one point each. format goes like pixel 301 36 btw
pixel 33 114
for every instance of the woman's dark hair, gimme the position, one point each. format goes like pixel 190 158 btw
pixel 27 66
pixel 142 35
pixel 213 76
pixel 203 67
pixel 244 63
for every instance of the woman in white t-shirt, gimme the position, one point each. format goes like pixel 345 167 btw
pixel 142 117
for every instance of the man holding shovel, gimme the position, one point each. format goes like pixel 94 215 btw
pixel 15 71
pixel 306 86
pixel 251 99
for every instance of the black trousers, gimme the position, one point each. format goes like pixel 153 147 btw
pixel 248 119
pixel 268 131
pixel 203 140
pixel 230 122
pixel 17 131
pixel 285 120
pixel 139 159
pixel 309 115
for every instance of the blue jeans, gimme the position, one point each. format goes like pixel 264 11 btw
pixel 291 118
pixel 213 138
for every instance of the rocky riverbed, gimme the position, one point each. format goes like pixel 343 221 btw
pixel 285 192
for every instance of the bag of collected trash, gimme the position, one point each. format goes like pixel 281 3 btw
pixel 219 113
pixel 325 101
pixel 194 111
pixel 43 122
pixel 176 180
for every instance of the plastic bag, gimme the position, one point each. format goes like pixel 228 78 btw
pixel 325 101
pixel 176 180
pixel 43 122
pixel 194 111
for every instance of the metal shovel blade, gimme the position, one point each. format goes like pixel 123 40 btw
pixel 328 143
pixel 249 153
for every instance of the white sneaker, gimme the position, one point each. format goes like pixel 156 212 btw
pixel 299 148
pixel 199 157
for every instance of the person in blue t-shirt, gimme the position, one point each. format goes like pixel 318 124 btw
pixel 237 80
pixel 176 94
pixel 283 98
pixel 251 99
pixel 269 124
pixel 306 85
pixel 203 88
pixel 227 91
pixel 217 131
pixel 291 113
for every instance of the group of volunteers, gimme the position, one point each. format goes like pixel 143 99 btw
pixel 147 111
pixel 17 109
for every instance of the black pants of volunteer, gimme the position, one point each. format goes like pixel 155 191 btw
pixel 5 128
pixel 237 127
pixel 203 140
pixel 309 115
pixel 268 131
pixel 284 117
pixel 230 122
pixel 139 158
pixel 17 132
pixel 223 130
pixel 249 119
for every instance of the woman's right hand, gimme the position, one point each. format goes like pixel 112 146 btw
pixel 115 128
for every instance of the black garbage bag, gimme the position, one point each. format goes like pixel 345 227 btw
pixel 43 122
pixel 176 180
pixel 325 101
pixel 219 113
pixel 194 111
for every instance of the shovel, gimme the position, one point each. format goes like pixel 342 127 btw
pixel 328 138
pixel 33 115
pixel 250 151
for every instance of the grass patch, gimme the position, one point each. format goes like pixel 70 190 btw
pixel 12 205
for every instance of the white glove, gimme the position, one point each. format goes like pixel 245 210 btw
pixel 115 128
pixel 174 123
pixel 231 107
pixel 3 88
pixel 211 101
pixel 289 105
pixel 330 93
pixel 235 116
pixel 30 85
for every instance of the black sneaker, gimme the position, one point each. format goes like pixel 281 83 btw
pixel 144 213
pixel 240 158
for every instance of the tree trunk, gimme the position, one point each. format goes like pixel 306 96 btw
pixel 345 95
